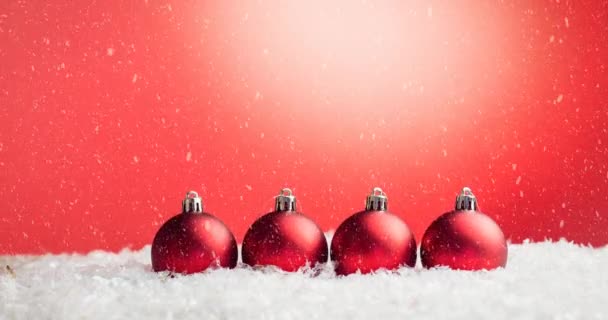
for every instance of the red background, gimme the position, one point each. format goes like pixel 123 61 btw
pixel 112 110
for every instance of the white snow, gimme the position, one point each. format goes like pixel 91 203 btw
pixel 542 281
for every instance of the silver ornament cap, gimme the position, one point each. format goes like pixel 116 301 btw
pixel 192 203
pixel 466 200
pixel 376 201
pixel 285 201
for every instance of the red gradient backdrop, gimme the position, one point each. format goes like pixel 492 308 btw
pixel 112 110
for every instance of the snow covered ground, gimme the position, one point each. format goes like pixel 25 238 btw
pixel 542 281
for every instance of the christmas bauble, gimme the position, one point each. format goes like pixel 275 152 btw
pixel 373 239
pixel 193 241
pixel 284 238
pixel 464 239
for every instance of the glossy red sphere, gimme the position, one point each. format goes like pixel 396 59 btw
pixel 372 240
pixel 286 239
pixel 193 242
pixel 465 240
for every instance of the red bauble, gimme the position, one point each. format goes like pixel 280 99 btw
pixel 284 238
pixel 464 239
pixel 373 239
pixel 193 241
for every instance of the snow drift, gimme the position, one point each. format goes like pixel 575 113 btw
pixel 542 281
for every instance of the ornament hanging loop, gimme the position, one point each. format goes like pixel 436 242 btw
pixel 376 201
pixel 466 200
pixel 192 203
pixel 285 201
